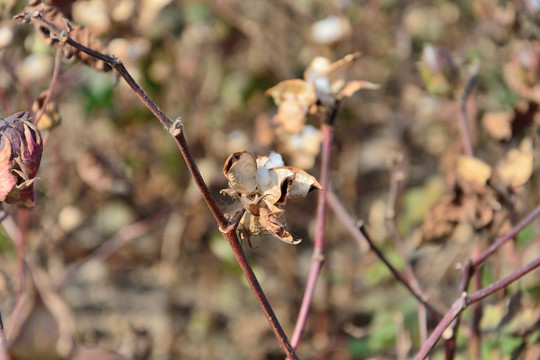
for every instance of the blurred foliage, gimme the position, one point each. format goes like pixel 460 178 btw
pixel 110 165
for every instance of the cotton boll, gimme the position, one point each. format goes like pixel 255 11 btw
pixel 263 176
pixel 274 160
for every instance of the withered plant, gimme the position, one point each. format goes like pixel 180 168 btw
pixel 479 195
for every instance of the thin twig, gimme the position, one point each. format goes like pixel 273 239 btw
pixel 3 341
pixel 396 178
pixel 464 121
pixel 23 216
pixel 54 80
pixel 465 300
pixel 510 235
pixel 317 259
pixel 176 130
pixel 361 237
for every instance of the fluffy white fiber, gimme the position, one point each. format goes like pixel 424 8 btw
pixel 274 160
pixel 263 176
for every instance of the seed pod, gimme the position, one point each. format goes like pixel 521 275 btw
pixel 241 169
pixel 20 156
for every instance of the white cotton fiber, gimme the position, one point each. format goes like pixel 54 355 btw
pixel 274 160
pixel 263 176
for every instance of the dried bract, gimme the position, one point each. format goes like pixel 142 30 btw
pixel 263 185
pixel 324 83
pixel 20 156
pixel 78 33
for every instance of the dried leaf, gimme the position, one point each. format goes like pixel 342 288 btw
pixel 271 223
pixel 293 98
pixel 78 33
pixel 51 116
pixel 498 124
pixel 302 183
pixel 473 170
pixel 353 86
pixel 517 167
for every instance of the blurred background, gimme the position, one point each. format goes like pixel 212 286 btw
pixel 111 175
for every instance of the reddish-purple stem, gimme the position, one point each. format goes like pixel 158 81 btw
pixel 464 126
pixel 318 247
pixel 499 242
pixel 176 130
pixel 465 300
pixel 396 178
pixel 3 341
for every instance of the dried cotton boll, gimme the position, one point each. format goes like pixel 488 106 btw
pixel 6 36
pixel 123 11
pixel 330 30
pixel 36 67
pixel 236 141
pixel 129 51
pixel 70 217
pixel 94 14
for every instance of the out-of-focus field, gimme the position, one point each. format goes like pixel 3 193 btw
pixel 174 291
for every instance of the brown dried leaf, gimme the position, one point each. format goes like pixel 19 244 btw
pixel 271 224
pixel 353 86
pixel 517 167
pixel 51 116
pixel 336 72
pixel 241 169
pixel 473 170
pixel 293 98
pixel 441 220
pixel 498 124
pixel 78 33
pixel 302 183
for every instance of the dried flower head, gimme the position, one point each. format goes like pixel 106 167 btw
pixel 20 155
pixel 324 83
pixel 263 185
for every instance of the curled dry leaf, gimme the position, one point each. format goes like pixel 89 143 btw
pixel 78 33
pixel 517 167
pixel 498 124
pixel 262 186
pixel 51 116
pixel 294 99
pixel 473 170
pixel 330 79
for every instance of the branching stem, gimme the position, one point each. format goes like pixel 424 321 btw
pixel 176 130
pixel 317 259
pixel 465 300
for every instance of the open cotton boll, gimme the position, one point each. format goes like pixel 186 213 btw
pixel 263 176
pixel 274 160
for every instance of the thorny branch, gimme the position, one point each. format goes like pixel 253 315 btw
pixel 176 130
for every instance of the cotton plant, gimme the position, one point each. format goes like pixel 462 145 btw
pixel 263 185
pixel 325 83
